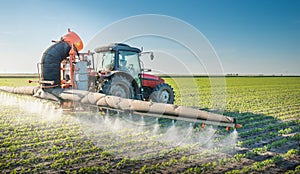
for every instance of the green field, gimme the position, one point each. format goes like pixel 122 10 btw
pixel 37 138
pixel 16 81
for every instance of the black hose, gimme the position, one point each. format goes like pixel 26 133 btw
pixel 51 60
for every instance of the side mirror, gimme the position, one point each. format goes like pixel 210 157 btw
pixel 148 52
pixel 151 56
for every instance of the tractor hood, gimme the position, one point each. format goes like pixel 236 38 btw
pixel 151 80
pixel 152 77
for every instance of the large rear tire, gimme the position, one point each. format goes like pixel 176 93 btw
pixel 118 86
pixel 162 93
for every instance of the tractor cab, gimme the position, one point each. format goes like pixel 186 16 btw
pixel 119 57
pixel 120 74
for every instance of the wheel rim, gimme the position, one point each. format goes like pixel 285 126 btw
pixel 119 91
pixel 164 96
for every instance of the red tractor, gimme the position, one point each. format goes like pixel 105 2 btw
pixel 115 70
pixel 120 74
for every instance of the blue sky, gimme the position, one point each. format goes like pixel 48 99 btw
pixel 249 36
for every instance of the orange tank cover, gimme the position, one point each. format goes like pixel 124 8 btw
pixel 73 38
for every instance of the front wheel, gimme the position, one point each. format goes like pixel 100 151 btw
pixel 162 93
pixel 118 86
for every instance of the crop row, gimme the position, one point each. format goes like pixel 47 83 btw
pixel 267 163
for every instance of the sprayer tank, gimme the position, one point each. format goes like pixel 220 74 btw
pixel 81 75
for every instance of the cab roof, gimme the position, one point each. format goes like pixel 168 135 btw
pixel 116 47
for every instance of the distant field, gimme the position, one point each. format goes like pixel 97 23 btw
pixel 17 81
pixel 23 75
pixel 38 139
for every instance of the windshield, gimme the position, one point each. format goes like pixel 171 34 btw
pixel 129 62
pixel 107 61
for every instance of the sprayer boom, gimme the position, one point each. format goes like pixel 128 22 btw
pixel 113 103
